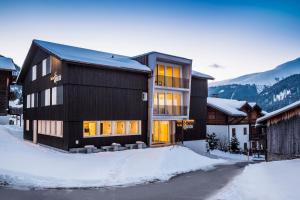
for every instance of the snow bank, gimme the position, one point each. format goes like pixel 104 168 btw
pixel 272 180
pixel 235 157
pixel 26 164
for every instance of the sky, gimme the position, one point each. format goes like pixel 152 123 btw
pixel 225 39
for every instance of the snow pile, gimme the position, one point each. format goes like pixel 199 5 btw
pixel 26 164
pixel 235 157
pixel 272 180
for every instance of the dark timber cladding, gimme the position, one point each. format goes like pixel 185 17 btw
pixel 103 94
pixel 197 111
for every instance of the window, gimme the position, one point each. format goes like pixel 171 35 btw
pixel 233 132
pixel 168 75
pixel 105 128
pixel 120 127
pixel 133 127
pixel 245 146
pixel 32 100
pixel 89 128
pixel 111 128
pixel 47 97
pixel 57 95
pixel 28 101
pixel 59 128
pixel 54 96
pixel 33 73
pixel 27 125
pixel 167 103
pixel 245 131
pixel 53 128
pixel 50 127
pixel 46 67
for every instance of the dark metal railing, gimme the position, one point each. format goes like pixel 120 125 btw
pixel 169 110
pixel 169 81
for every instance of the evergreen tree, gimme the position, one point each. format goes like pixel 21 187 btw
pixel 212 141
pixel 234 145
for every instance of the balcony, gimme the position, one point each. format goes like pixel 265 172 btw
pixel 169 81
pixel 170 110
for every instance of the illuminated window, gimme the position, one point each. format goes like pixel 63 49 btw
pixel 43 127
pixel 89 128
pixel 105 128
pixel 120 127
pixel 39 126
pixel 53 128
pixel 133 127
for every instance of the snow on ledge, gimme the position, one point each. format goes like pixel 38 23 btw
pixel 29 165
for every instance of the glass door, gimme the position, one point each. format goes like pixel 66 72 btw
pixel 161 132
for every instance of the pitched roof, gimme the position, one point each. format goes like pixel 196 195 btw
pixel 279 111
pixel 229 106
pixel 201 75
pixel 87 56
pixel 7 64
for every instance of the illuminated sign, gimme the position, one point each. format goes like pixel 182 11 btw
pixel 55 78
pixel 187 124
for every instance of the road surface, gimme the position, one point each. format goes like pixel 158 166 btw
pixel 193 185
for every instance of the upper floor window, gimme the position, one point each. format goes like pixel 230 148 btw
pixel 57 95
pixel 46 67
pixel 233 132
pixel 33 71
pixel 245 131
pixel 168 103
pixel 169 75
pixel 28 97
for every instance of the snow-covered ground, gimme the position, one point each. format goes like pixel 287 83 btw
pixel 278 180
pixel 25 164
pixel 235 157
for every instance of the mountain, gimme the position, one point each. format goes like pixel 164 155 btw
pixel 271 98
pixel 266 78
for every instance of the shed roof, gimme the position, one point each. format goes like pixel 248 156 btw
pixel 279 111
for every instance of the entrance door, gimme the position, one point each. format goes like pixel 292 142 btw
pixel 161 132
pixel 34 129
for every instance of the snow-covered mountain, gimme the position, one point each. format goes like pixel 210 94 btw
pixel 266 78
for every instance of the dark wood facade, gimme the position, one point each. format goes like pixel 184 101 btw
pixel 5 80
pixel 89 93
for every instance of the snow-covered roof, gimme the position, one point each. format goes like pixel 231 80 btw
pixel 279 111
pixel 201 75
pixel 229 106
pixel 7 64
pixel 87 56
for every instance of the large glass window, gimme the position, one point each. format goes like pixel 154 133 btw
pixel 105 128
pixel 133 127
pixel 177 103
pixel 168 75
pixel 89 128
pixel 169 103
pixel 50 127
pixel 161 75
pixel 120 127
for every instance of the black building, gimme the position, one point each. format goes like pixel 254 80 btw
pixel 75 97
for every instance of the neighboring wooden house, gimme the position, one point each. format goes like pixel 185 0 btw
pixel 227 118
pixel 7 67
pixel 282 128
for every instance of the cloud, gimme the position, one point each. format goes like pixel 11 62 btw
pixel 217 66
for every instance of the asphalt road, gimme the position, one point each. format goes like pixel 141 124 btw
pixel 194 185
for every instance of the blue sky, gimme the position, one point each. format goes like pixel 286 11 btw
pixel 224 38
